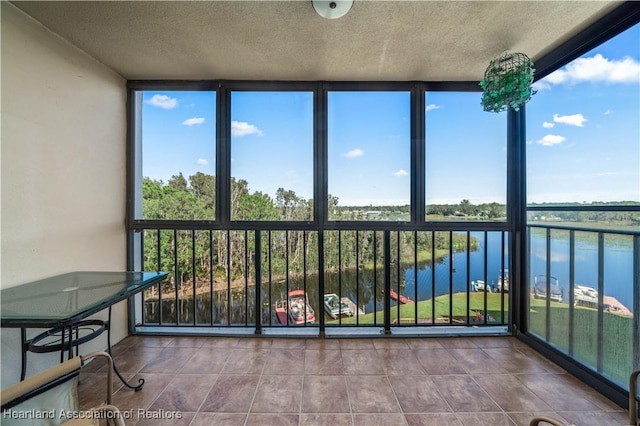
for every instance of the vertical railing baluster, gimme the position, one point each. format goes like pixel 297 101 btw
pixel 547 327
pixel 636 303
pixel 339 272
pixel 176 295
pixel 321 272
pixel 468 277
pixel 257 259
pixel 433 277
pixel 398 277
pixel 229 272
pixel 375 278
pixel 387 281
pixel 600 332
pixel 193 269
pixel 572 283
pixel 503 277
pixel 415 275
pixel 486 277
pixel 160 316
pixel 270 277
pixel 357 276
pixel 451 278
pixel 211 277
pixel 246 278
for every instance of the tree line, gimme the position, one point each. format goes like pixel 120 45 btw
pixel 229 256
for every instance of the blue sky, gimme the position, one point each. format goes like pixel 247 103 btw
pixel 583 138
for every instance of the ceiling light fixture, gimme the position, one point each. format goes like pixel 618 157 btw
pixel 332 9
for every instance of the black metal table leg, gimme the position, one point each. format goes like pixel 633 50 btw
pixel 25 348
pixel 115 369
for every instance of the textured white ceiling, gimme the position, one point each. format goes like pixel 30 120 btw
pixel 287 40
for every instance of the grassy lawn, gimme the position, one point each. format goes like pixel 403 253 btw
pixel 425 309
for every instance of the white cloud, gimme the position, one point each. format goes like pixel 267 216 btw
pixel 431 107
pixel 163 101
pixel 202 162
pixel 597 69
pixel 540 85
pixel 194 121
pixel 550 140
pixel 608 112
pixel 571 120
pixel 400 173
pixel 547 125
pixel 354 153
pixel 242 128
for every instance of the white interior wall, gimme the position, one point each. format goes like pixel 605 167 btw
pixel 63 170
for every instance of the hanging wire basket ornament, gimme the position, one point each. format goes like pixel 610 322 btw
pixel 507 82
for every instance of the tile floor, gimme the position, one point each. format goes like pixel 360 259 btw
pixel 414 381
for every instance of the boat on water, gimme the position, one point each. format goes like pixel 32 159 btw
pixel 334 306
pixel 540 283
pixel 398 297
pixel 503 281
pixel 295 309
pixel 480 285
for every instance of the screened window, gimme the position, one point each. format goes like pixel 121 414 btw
pixel 272 156
pixel 466 159
pixel 178 146
pixel 369 158
pixel 583 128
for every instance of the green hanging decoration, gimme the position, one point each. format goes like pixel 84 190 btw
pixel 507 82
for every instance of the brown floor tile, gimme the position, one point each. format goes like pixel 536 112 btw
pixel 514 361
pixel 148 341
pixel 185 392
pixel 556 392
pixel 371 394
pixel 219 419
pixel 464 395
pixel 322 344
pixel 272 420
pixel 249 343
pixel 323 362
pixel 186 342
pixel 491 342
pixel 326 419
pixel 135 358
pixel 206 360
pixel 476 361
pixel 170 360
pixel 244 361
pixel 361 361
pixel 485 419
pixel 285 361
pixel 439 361
pixel 325 394
pixel 418 395
pixel 231 393
pixel 424 343
pixel 289 344
pixel 278 394
pixel 432 419
pixel 219 342
pixel 390 344
pixel 356 344
pixel 400 362
pixel 510 394
pixel 378 419
pixel 457 343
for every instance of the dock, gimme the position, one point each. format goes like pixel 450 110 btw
pixel 588 297
pixel 352 306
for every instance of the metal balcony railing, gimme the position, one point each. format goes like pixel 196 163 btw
pixel 324 280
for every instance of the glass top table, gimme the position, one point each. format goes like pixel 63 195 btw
pixel 66 298
pixel 61 304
